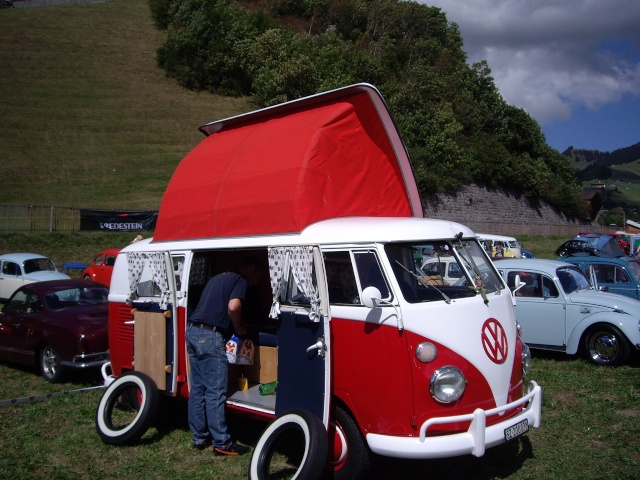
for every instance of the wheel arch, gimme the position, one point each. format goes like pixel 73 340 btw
pixel 343 400
pixel 578 332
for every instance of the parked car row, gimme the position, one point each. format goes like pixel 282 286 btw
pixel 56 325
pixel 17 269
pixel 591 243
pixel 558 309
pixel 51 321
pixel 567 305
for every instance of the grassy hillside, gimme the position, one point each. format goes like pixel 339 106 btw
pixel 86 116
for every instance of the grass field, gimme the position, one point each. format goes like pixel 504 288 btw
pixel 87 119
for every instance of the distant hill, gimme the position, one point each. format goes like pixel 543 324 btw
pixel 594 164
pixel 618 170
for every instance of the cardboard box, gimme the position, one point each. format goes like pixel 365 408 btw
pixel 263 370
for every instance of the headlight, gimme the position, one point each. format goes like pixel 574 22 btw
pixel 447 384
pixel 426 352
pixel 526 359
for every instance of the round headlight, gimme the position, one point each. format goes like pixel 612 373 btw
pixel 426 352
pixel 447 384
pixel 526 359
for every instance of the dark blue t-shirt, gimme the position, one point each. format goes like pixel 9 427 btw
pixel 213 307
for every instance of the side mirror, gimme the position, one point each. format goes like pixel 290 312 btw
pixel 518 284
pixel 371 297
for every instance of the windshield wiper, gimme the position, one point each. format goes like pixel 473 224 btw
pixel 425 284
pixel 478 287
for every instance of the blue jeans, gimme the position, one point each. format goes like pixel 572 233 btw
pixel 208 394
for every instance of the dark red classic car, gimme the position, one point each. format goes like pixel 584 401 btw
pixel 57 326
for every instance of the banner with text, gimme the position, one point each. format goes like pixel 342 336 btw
pixel 118 221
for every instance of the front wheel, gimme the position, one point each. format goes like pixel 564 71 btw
pixel 349 455
pixel 127 408
pixel 86 278
pixel 50 365
pixel 606 345
pixel 293 446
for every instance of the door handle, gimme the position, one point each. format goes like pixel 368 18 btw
pixel 319 346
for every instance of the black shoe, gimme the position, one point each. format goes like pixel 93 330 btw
pixel 230 450
pixel 202 446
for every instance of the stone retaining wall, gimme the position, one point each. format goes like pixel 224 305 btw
pixel 502 212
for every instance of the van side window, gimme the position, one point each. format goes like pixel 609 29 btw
pixel 341 279
pixel 178 269
pixel 370 272
pixel 535 285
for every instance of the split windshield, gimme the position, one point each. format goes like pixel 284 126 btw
pixel 442 270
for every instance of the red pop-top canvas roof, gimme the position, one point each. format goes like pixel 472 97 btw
pixel 280 169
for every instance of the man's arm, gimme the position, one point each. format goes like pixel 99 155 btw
pixel 235 314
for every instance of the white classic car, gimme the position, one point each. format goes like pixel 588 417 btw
pixel 557 309
pixel 17 269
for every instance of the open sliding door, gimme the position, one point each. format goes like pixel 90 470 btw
pixel 301 303
pixel 152 280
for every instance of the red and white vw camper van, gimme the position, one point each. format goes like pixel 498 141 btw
pixel 371 353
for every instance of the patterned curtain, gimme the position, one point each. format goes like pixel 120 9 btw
pixel 136 262
pixel 159 271
pixel 302 268
pixel 300 261
pixel 277 271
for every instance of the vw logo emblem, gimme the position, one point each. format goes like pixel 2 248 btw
pixel 494 341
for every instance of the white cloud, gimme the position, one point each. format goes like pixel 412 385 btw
pixel 551 56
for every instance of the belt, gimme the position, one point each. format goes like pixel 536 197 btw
pixel 202 326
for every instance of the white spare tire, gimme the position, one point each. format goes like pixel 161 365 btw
pixel 127 408
pixel 301 438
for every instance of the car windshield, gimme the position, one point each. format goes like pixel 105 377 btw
pixel 38 265
pixel 75 297
pixel 572 279
pixel 442 270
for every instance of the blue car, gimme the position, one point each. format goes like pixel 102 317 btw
pixel 615 274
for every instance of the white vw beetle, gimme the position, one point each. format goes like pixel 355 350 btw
pixel 17 269
pixel 557 309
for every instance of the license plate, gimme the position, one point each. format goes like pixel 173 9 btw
pixel 516 430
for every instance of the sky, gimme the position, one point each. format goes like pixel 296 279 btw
pixel 573 65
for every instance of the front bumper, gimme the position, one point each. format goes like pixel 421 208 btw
pixel 474 441
pixel 87 360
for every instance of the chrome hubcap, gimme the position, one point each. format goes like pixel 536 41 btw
pixel 604 347
pixel 49 361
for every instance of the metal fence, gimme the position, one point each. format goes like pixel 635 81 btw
pixel 35 218
pixel 42 218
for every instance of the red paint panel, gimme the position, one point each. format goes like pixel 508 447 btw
pixel 372 375
pixel 376 374
pixel 120 337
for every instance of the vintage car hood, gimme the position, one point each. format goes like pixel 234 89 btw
pixel 45 275
pixel 606 300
